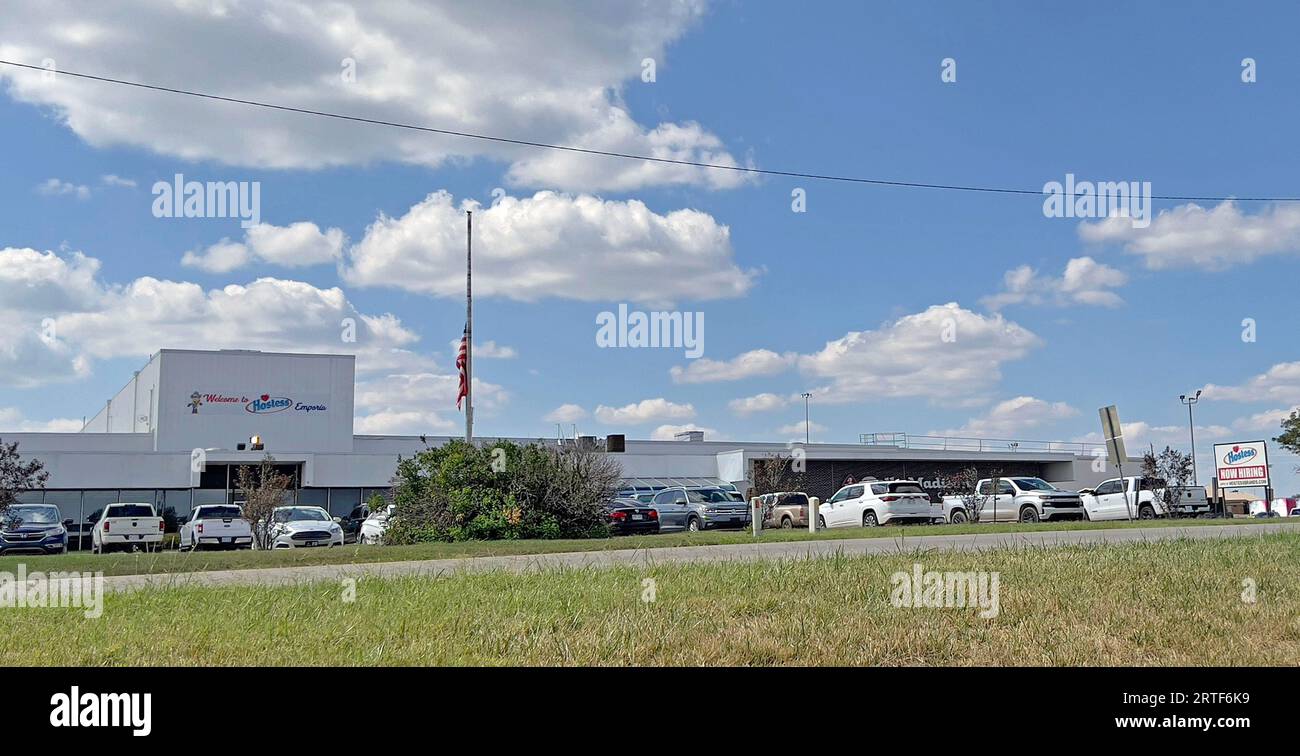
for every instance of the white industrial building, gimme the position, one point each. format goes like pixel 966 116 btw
pixel 178 430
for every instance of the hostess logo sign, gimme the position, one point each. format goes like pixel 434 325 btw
pixel 267 404
pixel 1237 455
pixel 1242 465
pixel 260 403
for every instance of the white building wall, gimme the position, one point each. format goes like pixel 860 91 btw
pixel 317 388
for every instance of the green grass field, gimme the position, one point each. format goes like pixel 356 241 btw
pixel 1164 603
pixel 174 561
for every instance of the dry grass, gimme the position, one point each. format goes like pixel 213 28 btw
pixel 1164 603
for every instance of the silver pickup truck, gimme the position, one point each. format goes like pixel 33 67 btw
pixel 1017 500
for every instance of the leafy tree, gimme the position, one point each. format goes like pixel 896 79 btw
pixel 1166 472
pixel 964 484
pixel 1290 437
pixel 17 476
pixel 503 490
pixel 263 488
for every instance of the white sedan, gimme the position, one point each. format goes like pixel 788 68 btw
pixel 372 530
pixel 304 527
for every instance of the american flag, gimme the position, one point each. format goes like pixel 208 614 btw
pixel 461 357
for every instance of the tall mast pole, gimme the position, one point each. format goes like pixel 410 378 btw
pixel 469 328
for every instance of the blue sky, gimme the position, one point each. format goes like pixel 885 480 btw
pixel 847 299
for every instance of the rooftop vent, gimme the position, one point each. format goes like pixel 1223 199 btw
pixel 691 435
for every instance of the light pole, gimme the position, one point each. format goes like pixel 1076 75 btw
pixel 1191 428
pixel 807 429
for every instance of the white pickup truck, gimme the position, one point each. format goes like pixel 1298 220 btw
pixel 1114 499
pixel 1021 499
pixel 216 525
pixel 127 526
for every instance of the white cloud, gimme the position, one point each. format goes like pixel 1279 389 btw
pixel 13 421
pixel 407 423
pixel 795 431
pixel 56 317
pixel 747 365
pixel 1084 282
pixel 1280 383
pixel 112 179
pixel 1190 236
pixel 551 245
pixel 946 353
pixel 566 413
pixel 1269 420
pixel 410 404
pixel 488 350
pixel 764 402
pixel 669 432
pixel 296 245
pixel 548 72
pixel 1018 417
pixel 1139 433
pixel 57 188
pixel 644 411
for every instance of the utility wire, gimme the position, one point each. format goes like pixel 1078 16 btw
pixel 608 153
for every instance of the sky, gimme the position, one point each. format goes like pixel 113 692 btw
pixel 900 309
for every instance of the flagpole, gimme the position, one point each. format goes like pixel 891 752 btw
pixel 469 328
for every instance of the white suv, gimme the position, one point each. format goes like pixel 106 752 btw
pixel 875 502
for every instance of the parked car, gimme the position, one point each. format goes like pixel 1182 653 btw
pixel 1114 499
pixel 875 502
pixel 352 521
pixel 303 527
pixel 628 516
pixel 215 525
pixel 1022 499
pixel 372 530
pixel 682 508
pixel 787 509
pixel 34 529
pixel 134 527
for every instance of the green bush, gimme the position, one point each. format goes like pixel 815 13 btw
pixel 501 491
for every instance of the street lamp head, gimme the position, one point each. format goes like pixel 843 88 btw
pixel 1198 393
pixel 1182 397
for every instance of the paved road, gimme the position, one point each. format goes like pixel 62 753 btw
pixel 733 552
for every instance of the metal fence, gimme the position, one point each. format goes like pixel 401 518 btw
pixel 963 443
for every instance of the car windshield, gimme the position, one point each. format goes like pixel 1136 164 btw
pixel 1034 484
pixel 219 513
pixel 710 496
pixel 33 514
pixel 129 510
pixel 301 514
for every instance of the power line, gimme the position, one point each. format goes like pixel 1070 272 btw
pixel 608 153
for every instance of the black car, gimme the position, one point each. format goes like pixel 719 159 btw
pixel 628 516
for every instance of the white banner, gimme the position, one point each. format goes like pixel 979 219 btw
pixel 260 403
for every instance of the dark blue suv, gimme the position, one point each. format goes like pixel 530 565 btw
pixel 33 529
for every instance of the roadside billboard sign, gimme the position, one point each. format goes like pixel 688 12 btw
pixel 1243 464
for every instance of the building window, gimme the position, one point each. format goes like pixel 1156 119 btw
pixel 314 497
pixel 343 501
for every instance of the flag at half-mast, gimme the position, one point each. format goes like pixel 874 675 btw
pixel 460 365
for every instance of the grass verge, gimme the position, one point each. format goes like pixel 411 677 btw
pixel 165 562
pixel 1179 602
